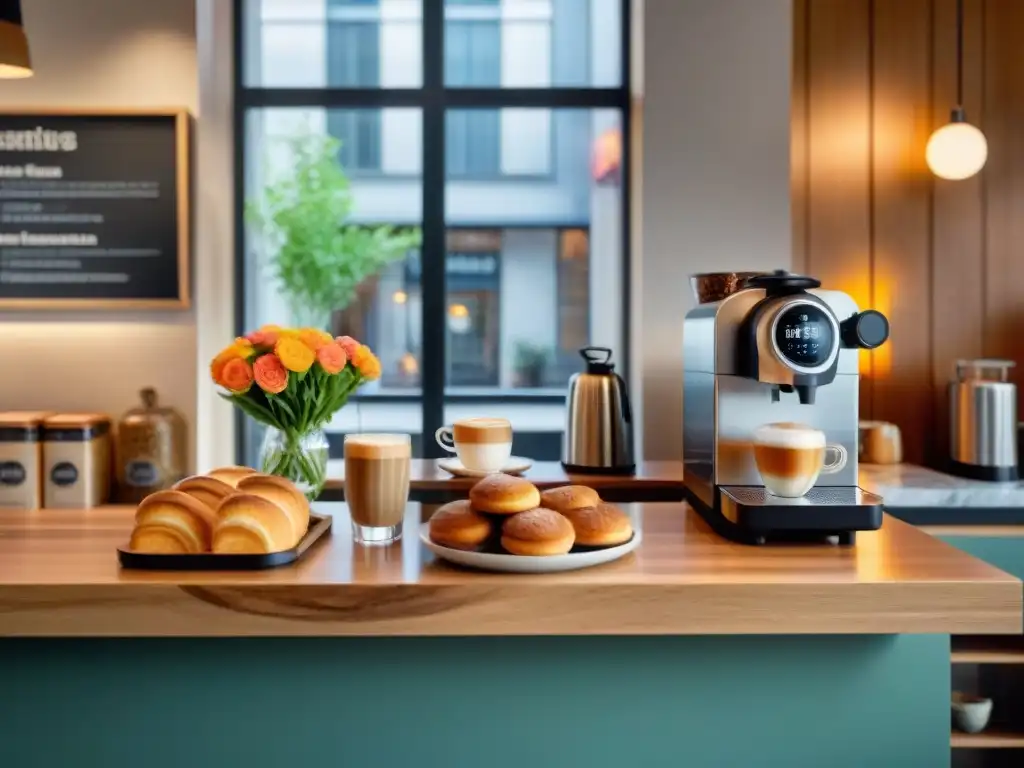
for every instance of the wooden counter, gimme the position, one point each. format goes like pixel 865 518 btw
pixel 59 576
pixel 653 481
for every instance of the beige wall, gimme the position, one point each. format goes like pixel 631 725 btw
pixel 715 175
pixel 96 54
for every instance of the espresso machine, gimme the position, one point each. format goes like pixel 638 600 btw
pixel 776 349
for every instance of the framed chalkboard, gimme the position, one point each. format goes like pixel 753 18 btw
pixel 94 209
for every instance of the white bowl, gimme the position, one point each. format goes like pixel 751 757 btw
pixel 970 713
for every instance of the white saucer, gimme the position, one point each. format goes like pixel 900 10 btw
pixel 516 466
pixel 486 561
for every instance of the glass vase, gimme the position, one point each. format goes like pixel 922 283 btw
pixel 300 457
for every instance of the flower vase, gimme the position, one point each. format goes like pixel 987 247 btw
pixel 299 457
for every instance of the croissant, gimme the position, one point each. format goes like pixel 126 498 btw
pixel 231 475
pixel 172 522
pixel 283 493
pixel 209 490
pixel 251 524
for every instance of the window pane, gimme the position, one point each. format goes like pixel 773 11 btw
pixel 534 265
pixel 533 43
pixel 333 43
pixel 358 279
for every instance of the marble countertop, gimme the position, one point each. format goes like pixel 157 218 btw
pixel 910 486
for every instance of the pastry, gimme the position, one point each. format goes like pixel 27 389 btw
pixel 569 497
pixel 282 492
pixel 459 526
pixel 502 494
pixel 251 524
pixel 538 531
pixel 231 475
pixel 209 490
pixel 172 522
pixel 603 525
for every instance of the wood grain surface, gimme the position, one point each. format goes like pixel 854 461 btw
pixel 654 480
pixel 59 577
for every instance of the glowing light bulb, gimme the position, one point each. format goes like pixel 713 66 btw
pixel 956 151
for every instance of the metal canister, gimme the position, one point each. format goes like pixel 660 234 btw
pixel 983 421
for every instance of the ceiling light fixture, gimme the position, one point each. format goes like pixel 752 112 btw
pixel 957 150
pixel 14 58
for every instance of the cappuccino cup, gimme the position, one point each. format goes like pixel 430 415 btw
pixel 482 444
pixel 790 457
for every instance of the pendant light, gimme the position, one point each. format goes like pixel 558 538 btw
pixel 14 60
pixel 957 150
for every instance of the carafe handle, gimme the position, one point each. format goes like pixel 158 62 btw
pixel 598 355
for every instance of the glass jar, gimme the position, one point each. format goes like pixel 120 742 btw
pixel 300 457
pixel 152 449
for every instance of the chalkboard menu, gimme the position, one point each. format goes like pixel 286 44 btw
pixel 94 210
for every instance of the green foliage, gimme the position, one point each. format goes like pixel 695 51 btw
pixel 319 259
pixel 529 356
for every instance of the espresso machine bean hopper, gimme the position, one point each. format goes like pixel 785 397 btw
pixel 778 349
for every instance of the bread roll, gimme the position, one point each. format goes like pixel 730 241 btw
pixel 182 522
pixel 502 494
pixel 604 525
pixel 231 475
pixel 569 497
pixel 250 524
pixel 459 526
pixel 537 532
pixel 209 490
pixel 282 492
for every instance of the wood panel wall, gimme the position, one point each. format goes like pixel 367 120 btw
pixel 943 259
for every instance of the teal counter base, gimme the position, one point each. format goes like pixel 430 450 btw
pixel 597 702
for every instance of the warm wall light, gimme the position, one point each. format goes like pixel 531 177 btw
pixel 399 297
pixel 14 58
pixel 459 320
pixel 957 150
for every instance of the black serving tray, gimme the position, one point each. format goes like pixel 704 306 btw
pixel 319 528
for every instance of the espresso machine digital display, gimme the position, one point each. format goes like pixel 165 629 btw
pixel 804 335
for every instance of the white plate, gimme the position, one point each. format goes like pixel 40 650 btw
pixel 516 466
pixel 487 561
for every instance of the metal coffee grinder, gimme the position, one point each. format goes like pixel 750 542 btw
pixel 777 349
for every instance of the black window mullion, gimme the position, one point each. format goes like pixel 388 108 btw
pixel 433 280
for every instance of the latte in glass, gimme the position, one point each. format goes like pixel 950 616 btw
pixel 791 456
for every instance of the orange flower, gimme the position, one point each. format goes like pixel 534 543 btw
pixel 295 355
pixel 332 357
pixel 366 362
pixel 314 339
pixel 236 376
pixel 244 347
pixel 270 373
pixel 264 337
pixel 349 344
pixel 234 351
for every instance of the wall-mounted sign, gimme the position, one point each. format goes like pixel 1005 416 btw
pixel 94 210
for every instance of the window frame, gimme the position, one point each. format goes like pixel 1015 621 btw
pixel 434 98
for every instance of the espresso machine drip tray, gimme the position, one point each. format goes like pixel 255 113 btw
pixel 824 511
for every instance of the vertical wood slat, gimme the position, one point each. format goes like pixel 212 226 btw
pixel 957 279
pixel 901 214
pixel 839 153
pixel 798 138
pixel 1003 122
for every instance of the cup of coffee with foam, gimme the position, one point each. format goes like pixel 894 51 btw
pixel 791 456
pixel 482 444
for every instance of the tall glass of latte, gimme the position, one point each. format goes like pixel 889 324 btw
pixel 377 485
pixel 790 457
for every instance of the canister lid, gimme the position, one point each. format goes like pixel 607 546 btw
pixel 75 426
pixel 23 418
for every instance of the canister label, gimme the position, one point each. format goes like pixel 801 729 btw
pixel 141 474
pixel 12 473
pixel 64 474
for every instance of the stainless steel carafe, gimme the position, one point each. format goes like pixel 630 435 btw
pixel 598 436
pixel 983 421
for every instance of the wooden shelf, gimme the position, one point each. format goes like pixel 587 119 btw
pixel 992 739
pixel 1006 649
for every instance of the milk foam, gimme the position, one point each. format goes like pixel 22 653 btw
pixel 377 446
pixel 480 422
pixel 789 435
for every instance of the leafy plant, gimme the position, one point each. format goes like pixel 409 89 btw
pixel 319 258
pixel 530 356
